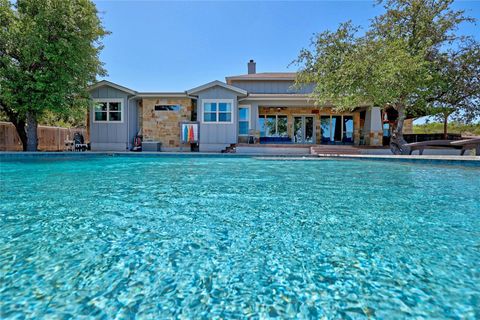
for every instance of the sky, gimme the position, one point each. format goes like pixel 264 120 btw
pixel 176 46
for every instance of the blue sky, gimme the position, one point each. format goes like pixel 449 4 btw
pixel 175 46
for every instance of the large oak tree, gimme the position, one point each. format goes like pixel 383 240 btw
pixel 402 61
pixel 49 54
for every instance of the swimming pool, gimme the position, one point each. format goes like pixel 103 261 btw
pixel 230 237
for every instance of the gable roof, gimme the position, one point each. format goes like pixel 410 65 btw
pixel 278 96
pixel 217 83
pixel 264 76
pixel 111 84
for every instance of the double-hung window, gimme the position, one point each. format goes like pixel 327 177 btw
pixel 217 111
pixel 243 120
pixel 108 111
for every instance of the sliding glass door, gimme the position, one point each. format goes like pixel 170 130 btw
pixel 325 127
pixel 336 129
pixel 347 129
pixel 304 129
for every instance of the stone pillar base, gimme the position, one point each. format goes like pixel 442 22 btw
pixel 374 139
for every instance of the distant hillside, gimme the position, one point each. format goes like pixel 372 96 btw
pixel 454 127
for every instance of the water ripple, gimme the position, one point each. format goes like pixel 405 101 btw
pixel 238 238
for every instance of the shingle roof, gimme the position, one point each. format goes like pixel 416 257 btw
pixel 265 76
pixel 217 83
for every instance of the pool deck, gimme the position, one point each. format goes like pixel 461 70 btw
pixel 473 161
pixel 470 161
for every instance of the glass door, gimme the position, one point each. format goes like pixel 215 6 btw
pixel 347 129
pixel 325 127
pixel 297 130
pixel 309 130
pixel 303 129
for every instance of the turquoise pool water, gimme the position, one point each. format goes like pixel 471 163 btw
pixel 187 237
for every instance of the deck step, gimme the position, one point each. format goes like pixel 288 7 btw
pixel 316 150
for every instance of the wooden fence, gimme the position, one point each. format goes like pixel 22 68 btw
pixel 49 138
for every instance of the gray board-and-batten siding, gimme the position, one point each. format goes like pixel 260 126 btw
pixel 110 136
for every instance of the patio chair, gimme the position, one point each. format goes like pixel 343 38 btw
pixel 79 142
pixel 252 136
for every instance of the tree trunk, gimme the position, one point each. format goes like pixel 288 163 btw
pixel 445 125
pixel 32 138
pixel 397 142
pixel 19 123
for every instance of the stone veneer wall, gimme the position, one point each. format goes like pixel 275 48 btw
pixel 164 126
pixel 290 112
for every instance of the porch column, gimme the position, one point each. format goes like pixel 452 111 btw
pixel 254 120
pixel 356 128
pixel 373 132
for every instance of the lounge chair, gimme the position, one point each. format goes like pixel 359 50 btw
pixel 468 144
pixel 462 145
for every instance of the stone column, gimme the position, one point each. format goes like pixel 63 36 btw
pixel 356 128
pixel 373 127
pixel 254 121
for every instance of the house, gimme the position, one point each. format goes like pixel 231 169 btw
pixel 262 105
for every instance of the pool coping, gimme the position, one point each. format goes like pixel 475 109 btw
pixel 433 159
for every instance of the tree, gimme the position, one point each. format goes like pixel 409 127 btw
pixel 393 64
pixel 49 54
pixel 456 92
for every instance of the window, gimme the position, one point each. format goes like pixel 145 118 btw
pixel 108 111
pixel 273 125
pixel 101 110
pixel 217 111
pixel 163 107
pixel 210 112
pixel 243 120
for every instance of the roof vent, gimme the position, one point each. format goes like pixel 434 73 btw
pixel 252 67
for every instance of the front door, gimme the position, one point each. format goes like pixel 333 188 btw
pixel 304 129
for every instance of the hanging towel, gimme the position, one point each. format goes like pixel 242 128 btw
pixel 191 135
pixel 185 133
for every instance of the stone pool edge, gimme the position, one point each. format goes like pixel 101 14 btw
pixel 471 161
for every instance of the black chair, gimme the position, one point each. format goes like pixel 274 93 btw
pixel 79 142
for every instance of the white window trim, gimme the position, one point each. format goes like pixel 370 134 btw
pixel 245 106
pixel 121 101
pixel 232 118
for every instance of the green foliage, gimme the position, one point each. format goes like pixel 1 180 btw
pixel 351 71
pixel 404 60
pixel 456 86
pixel 49 54
pixel 453 127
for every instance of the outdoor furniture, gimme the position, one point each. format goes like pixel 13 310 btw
pixel 468 144
pixel 463 145
pixel 152 146
pixel 79 142
pixel 252 137
pixel 69 145
pixel 325 140
pixel 347 140
pixel 275 140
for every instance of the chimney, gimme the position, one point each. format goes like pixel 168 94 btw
pixel 252 67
